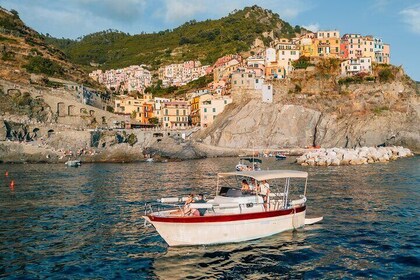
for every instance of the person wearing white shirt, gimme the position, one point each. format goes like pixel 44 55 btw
pixel 265 192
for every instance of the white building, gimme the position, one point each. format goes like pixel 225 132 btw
pixel 287 52
pixel 157 107
pixel 255 61
pixel 270 55
pixel 212 107
pixel 267 93
pixel 355 66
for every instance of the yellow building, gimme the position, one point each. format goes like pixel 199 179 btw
pixel 195 108
pixel 327 43
pixel 274 71
pixel 368 47
pixel 306 44
pixel 140 110
pixel 176 114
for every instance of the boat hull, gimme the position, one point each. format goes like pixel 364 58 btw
pixel 184 231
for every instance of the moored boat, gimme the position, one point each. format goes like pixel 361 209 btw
pixel 234 215
pixel 280 156
pixel 247 164
pixel 73 163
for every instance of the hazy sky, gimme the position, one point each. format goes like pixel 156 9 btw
pixel 397 22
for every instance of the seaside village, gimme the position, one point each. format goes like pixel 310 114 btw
pixel 231 73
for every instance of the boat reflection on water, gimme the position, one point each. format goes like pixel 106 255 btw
pixel 266 257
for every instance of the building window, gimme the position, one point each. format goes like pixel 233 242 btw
pixel 205 110
pixel 214 110
pixel 177 112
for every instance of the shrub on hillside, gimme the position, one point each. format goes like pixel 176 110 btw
pixel 385 75
pixel 302 63
pixel 40 65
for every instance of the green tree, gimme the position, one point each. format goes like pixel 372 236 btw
pixel 15 13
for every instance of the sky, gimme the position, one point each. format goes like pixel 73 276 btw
pixel 397 22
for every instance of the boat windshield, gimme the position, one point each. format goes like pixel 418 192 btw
pixel 230 192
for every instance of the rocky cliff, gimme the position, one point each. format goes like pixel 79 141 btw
pixel 316 108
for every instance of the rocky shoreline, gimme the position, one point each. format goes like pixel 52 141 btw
pixel 358 156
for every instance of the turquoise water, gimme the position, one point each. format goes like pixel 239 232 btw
pixel 71 223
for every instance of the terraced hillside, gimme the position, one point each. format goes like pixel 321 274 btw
pixel 205 41
pixel 23 52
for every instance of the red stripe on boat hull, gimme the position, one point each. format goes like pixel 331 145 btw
pixel 226 218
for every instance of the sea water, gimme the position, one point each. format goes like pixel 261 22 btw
pixel 65 223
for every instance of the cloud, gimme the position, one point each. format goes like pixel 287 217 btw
pixel 411 16
pixel 123 11
pixel 181 10
pixel 312 27
pixel 380 5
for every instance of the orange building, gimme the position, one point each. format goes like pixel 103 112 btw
pixel 327 43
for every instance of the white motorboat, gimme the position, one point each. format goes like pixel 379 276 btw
pixel 234 216
pixel 73 163
pixel 247 164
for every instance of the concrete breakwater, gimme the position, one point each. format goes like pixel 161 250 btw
pixel 363 155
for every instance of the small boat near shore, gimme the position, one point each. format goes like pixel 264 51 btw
pixel 233 215
pixel 280 156
pixel 248 164
pixel 73 163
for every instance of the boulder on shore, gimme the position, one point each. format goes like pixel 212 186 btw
pixel 358 156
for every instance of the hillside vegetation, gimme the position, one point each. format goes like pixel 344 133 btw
pixel 205 41
pixel 23 51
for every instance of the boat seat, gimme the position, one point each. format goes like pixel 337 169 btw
pixel 228 205
pixel 201 205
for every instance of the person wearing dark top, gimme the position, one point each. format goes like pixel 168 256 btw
pixel 201 199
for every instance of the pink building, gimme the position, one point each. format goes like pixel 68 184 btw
pixel 353 44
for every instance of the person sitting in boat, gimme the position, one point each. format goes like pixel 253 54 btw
pixel 253 185
pixel 187 207
pixel 245 186
pixel 265 192
pixel 200 211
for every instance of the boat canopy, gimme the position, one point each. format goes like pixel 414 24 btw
pixel 252 160
pixel 267 174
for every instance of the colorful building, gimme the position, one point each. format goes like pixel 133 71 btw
pixel 243 79
pixel 327 43
pixel 354 44
pixel 223 71
pixel 158 106
pixel 196 102
pixel 368 47
pixel 176 114
pixel 287 52
pixel 212 107
pixel 356 65
pixel 274 71
pixel 140 110
pixel 387 54
pixel 306 44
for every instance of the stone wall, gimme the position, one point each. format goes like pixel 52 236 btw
pixel 66 108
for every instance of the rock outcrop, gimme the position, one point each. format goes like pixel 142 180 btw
pixel 363 155
pixel 322 113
